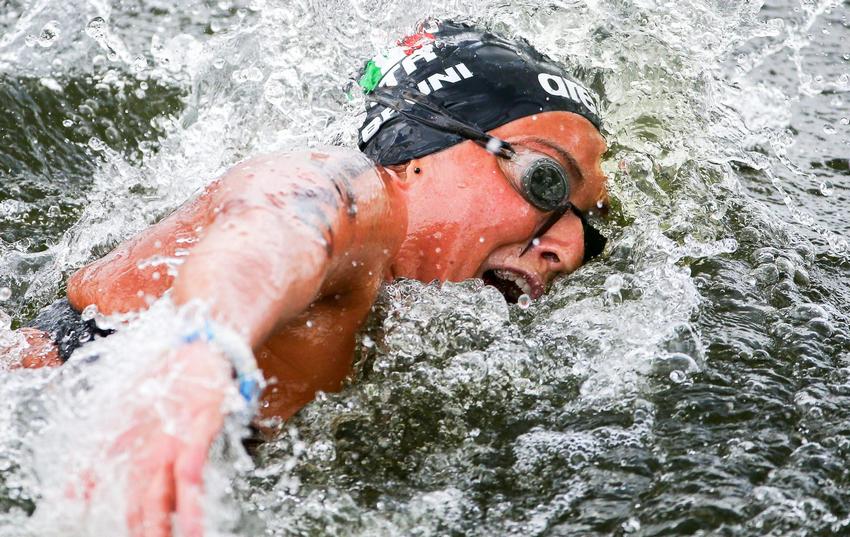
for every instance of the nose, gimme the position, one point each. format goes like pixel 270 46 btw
pixel 561 248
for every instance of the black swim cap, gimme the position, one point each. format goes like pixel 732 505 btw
pixel 476 76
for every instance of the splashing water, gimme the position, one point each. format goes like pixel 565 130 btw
pixel 693 378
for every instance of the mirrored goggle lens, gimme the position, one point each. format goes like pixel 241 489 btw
pixel 540 180
pixel 545 185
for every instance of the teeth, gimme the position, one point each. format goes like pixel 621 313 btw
pixel 521 282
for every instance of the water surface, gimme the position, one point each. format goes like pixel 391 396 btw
pixel 694 380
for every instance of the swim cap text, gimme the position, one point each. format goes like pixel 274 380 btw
pixel 435 82
pixel 561 87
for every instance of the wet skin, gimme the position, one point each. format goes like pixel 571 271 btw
pixel 290 250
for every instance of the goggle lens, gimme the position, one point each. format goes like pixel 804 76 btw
pixel 545 185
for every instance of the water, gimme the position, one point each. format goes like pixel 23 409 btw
pixel 695 380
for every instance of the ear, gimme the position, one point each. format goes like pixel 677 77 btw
pixel 406 172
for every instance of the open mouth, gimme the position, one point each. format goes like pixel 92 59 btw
pixel 511 284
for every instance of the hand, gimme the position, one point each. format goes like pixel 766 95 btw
pixel 40 352
pixel 169 439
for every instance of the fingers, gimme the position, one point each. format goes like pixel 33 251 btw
pixel 151 494
pixel 168 448
pixel 190 495
pixel 41 350
pixel 189 470
pixel 135 507
pixel 158 503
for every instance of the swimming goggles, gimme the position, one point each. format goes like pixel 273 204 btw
pixel 540 180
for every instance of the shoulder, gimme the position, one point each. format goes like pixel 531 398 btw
pixel 331 175
pixel 293 167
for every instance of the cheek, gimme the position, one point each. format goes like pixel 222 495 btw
pixel 506 217
pixel 464 212
pixel 479 199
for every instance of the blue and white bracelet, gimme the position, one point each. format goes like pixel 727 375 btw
pixel 249 378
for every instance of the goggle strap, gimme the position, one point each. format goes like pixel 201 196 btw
pixel 548 223
pixel 594 242
pixel 439 119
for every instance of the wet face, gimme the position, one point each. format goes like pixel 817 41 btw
pixel 467 219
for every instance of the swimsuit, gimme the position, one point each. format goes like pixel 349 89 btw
pixel 67 327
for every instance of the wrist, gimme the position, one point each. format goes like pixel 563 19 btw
pixel 230 344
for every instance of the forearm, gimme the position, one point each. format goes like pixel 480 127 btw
pixel 253 286
pixel 287 231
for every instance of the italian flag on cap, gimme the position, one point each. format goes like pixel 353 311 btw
pixel 378 66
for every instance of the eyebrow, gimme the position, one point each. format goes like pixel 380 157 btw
pixel 557 149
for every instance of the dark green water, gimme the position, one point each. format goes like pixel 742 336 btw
pixel 694 381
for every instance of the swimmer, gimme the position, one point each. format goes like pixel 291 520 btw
pixel 479 158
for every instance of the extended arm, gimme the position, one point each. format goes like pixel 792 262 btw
pixel 276 233
pixel 274 238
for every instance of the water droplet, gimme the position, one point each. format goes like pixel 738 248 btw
pixel 631 525
pixel 309 324
pixel 677 376
pixel 274 90
pixel 838 246
pixel 254 74
pixel 51 84
pixel 251 74
pixel 804 218
pixel 437 250
pixel 96 28
pixel 845 121
pixel 524 301
pixel 368 342
pixel 112 134
pixel 826 188
pixel 828 129
pixel 493 145
pixel 535 241
pixel 96 144
pixel 5 294
pixel 218 63
pixel 481 240
pixel 67 123
pixel 54 211
pixel 614 283
pixel 139 64
pixel 48 35
pixel 89 312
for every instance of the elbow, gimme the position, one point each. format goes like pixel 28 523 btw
pixel 78 289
